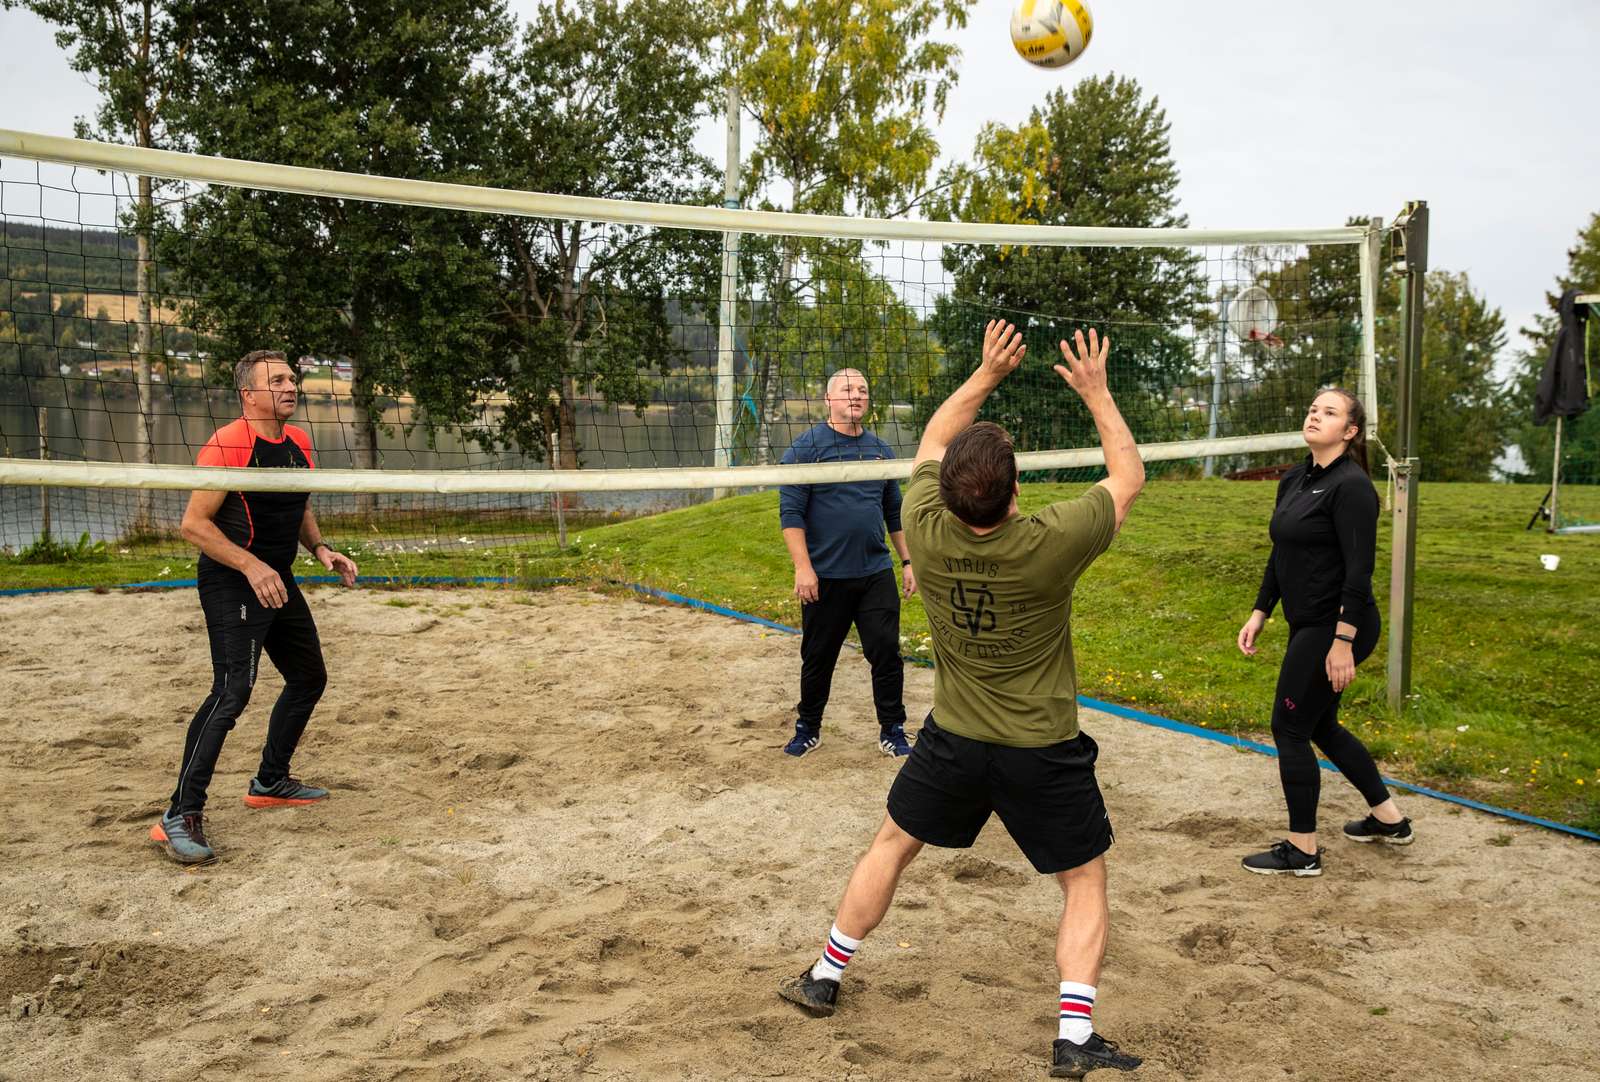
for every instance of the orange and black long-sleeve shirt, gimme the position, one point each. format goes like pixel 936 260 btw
pixel 265 524
pixel 1324 542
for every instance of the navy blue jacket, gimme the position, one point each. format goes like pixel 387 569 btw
pixel 844 523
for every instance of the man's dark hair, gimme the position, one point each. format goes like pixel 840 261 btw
pixel 977 475
pixel 245 371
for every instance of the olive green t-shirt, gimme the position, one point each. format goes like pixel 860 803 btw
pixel 1000 610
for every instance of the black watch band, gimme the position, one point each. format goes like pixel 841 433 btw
pixel 905 563
pixel 322 545
pixel 1344 638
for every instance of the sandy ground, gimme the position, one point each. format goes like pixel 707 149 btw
pixel 563 844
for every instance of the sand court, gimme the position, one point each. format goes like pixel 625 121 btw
pixel 563 844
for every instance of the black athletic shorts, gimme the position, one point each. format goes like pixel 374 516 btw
pixel 1046 797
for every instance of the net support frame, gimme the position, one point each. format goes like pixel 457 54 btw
pixel 1371 253
pixel 67 474
pixel 330 184
pixel 172 165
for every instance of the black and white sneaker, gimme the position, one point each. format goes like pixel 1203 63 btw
pixel 1284 858
pixel 1371 829
pixel 1068 1060
pixel 816 996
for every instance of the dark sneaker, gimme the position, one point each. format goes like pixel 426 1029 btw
pixel 818 997
pixel 892 742
pixel 184 838
pixel 283 793
pixel 1284 858
pixel 1371 829
pixel 804 741
pixel 1068 1060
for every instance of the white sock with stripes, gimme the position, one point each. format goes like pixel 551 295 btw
pixel 836 954
pixel 1077 1010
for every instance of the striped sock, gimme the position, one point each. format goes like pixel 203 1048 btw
pixel 836 954
pixel 1077 1007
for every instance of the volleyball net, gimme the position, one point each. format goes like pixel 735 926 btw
pixel 473 360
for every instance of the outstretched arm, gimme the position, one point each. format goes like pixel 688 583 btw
pixel 1002 353
pixel 1085 372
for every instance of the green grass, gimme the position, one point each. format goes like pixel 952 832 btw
pixel 1506 700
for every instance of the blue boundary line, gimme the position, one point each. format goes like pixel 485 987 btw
pixel 1230 740
pixel 1116 709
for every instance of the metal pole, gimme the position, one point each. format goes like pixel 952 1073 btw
pixel 729 310
pixel 44 490
pixel 1411 235
pixel 1370 255
pixel 1555 482
pixel 1218 359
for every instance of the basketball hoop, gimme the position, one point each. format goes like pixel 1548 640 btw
pixel 1253 316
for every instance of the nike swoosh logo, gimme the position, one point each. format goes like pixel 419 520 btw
pixel 1317 491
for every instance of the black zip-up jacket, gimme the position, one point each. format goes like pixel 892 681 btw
pixel 1563 389
pixel 1324 541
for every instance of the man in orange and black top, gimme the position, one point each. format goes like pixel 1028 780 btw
pixel 248 542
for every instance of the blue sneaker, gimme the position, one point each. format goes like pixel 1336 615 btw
pixel 804 741
pixel 184 838
pixel 892 741
pixel 285 792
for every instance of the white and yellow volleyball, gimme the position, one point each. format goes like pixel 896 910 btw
pixel 1051 33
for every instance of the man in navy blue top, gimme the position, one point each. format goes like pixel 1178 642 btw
pixel 843 572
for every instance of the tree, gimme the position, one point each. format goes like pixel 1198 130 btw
pixel 585 111
pixel 1463 415
pixel 1580 436
pixel 139 54
pixel 1097 156
pixel 1317 293
pixel 839 91
pixel 851 316
pixel 405 293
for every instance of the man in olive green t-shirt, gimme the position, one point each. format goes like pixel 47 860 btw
pixel 997 587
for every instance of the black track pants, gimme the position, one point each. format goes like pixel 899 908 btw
pixel 1306 712
pixel 872 603
pixel 240 629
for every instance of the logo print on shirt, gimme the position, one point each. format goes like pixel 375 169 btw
pixel 974 604
pixel 1318 491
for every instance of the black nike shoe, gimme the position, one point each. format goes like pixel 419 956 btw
pixel 1371 829
pixel 1284 858
pixel 817 996
pixel 1068 1060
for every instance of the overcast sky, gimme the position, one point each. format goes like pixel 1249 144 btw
pixel 1283 114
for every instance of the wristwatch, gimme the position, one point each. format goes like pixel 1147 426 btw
pixel 905 563
pixel 323 545
pixel 1344 638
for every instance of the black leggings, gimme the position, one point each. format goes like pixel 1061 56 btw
pixel 1306 712
pixel 240 628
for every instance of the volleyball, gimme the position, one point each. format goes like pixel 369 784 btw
pixel 1051 33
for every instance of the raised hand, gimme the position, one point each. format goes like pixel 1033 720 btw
pixel 1085 370
pixel 1002 349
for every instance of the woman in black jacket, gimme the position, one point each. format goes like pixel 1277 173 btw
pixel 1324 538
